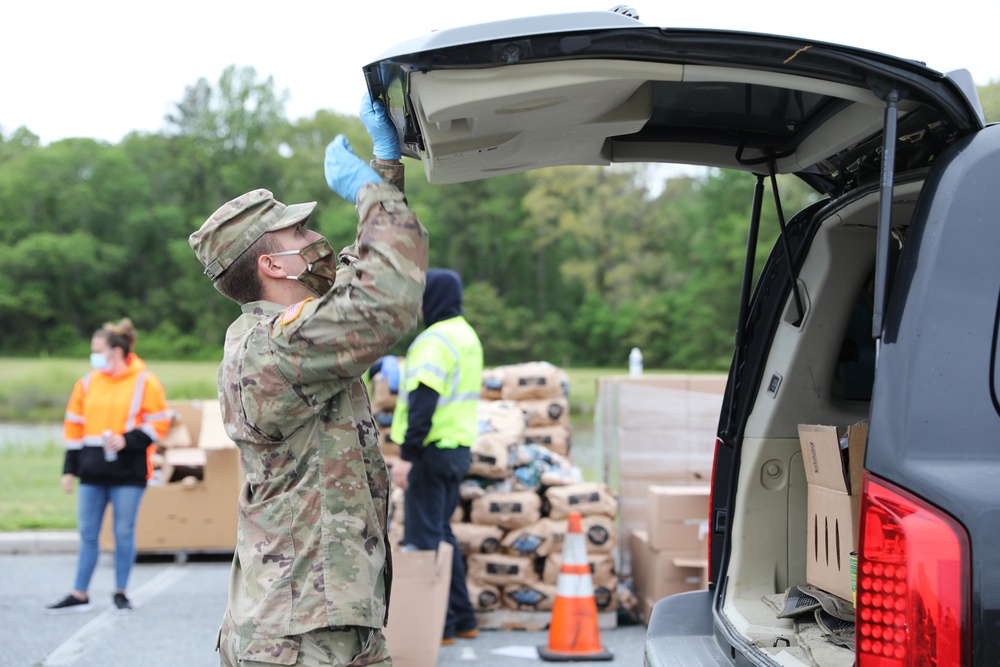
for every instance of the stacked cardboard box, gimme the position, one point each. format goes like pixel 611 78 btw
pixel 190 505
pixel 655 430
pixel 671 554
pixel 834 465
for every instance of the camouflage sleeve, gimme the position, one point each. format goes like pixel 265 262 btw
pixel 394 175
pixel 325 344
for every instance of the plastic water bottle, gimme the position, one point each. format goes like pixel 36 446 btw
pixel 109 455
pixel 635 362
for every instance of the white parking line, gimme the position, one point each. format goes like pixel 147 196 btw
pixel 71 650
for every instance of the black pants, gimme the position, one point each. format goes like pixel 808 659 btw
pixel 430 501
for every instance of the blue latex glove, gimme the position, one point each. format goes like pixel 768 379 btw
pixel 380 129
pixel 345 172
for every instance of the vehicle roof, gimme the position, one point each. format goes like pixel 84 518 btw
pixel 601 87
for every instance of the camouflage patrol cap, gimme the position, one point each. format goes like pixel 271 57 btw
pixel 237 224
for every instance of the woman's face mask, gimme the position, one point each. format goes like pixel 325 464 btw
pixel 320 273
pixel 99 361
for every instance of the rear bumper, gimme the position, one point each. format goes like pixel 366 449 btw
pixel 681 633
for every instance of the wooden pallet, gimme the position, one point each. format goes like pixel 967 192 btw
pixel 533 621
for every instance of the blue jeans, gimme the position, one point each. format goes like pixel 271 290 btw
pixel 430 501
pixel 90 513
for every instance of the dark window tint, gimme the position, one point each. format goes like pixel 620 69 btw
pixel 855 372
pixel 756 116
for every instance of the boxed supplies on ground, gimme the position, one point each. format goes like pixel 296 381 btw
pixel 655 430
pixel 418 605
pixel 677 517
pixel 834 462
pixel 658 574
pixel 198 512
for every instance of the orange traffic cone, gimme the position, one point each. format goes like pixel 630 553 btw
pixel 573 631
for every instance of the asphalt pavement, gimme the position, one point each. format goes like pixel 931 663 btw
pixel 178 606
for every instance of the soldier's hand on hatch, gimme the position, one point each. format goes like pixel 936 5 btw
pixel 345 172
pixel 380 129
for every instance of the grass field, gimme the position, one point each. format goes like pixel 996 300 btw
pixel 36 390
pixel 30 494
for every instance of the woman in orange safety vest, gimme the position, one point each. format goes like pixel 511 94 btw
pixel 115 416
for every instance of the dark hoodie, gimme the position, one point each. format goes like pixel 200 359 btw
pixel 442 296
pixel 442 301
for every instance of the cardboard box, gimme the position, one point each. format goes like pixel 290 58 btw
pixel 658 574
pixel 418 605
pixel 195 515
pixel 677 517
pixel 833 503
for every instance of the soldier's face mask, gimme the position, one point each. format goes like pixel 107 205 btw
pixel 321 270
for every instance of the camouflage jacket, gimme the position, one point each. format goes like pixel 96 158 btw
pixel 312 549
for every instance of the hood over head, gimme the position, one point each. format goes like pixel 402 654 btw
pixel 442 296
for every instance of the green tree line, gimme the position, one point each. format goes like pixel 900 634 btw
pixel 572 265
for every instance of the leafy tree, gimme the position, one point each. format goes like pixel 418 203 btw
pixel 226 133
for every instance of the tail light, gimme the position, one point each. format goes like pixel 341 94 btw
pixel 711 514
pixel 912 582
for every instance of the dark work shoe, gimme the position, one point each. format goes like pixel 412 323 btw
pixel 122 603
pixel 472 633
pixel 69 605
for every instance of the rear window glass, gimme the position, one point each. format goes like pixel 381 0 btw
pixel 855 372
pixel 755 114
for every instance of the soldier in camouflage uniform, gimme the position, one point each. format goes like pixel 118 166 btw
pixel 312 571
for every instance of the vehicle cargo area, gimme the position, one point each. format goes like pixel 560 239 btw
pixel 816 383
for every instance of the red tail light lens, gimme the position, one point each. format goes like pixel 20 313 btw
pixel 912 583
pixel 711 513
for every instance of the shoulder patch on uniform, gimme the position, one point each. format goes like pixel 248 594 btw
pixel 293 311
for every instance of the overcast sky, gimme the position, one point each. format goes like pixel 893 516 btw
pixel 103 68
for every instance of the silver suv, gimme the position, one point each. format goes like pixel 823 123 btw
pixel 878 305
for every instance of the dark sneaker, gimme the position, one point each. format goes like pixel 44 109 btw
pixel 122 603
pixel 471 633
pixel 69 605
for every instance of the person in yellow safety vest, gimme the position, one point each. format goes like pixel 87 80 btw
pixel 436 424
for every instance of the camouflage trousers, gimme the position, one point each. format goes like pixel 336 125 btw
pixel 348 646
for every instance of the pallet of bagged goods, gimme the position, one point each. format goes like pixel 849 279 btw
pixel 524 490
pixel 512 518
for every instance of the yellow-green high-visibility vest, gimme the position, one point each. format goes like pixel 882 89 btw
pixel 448 358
